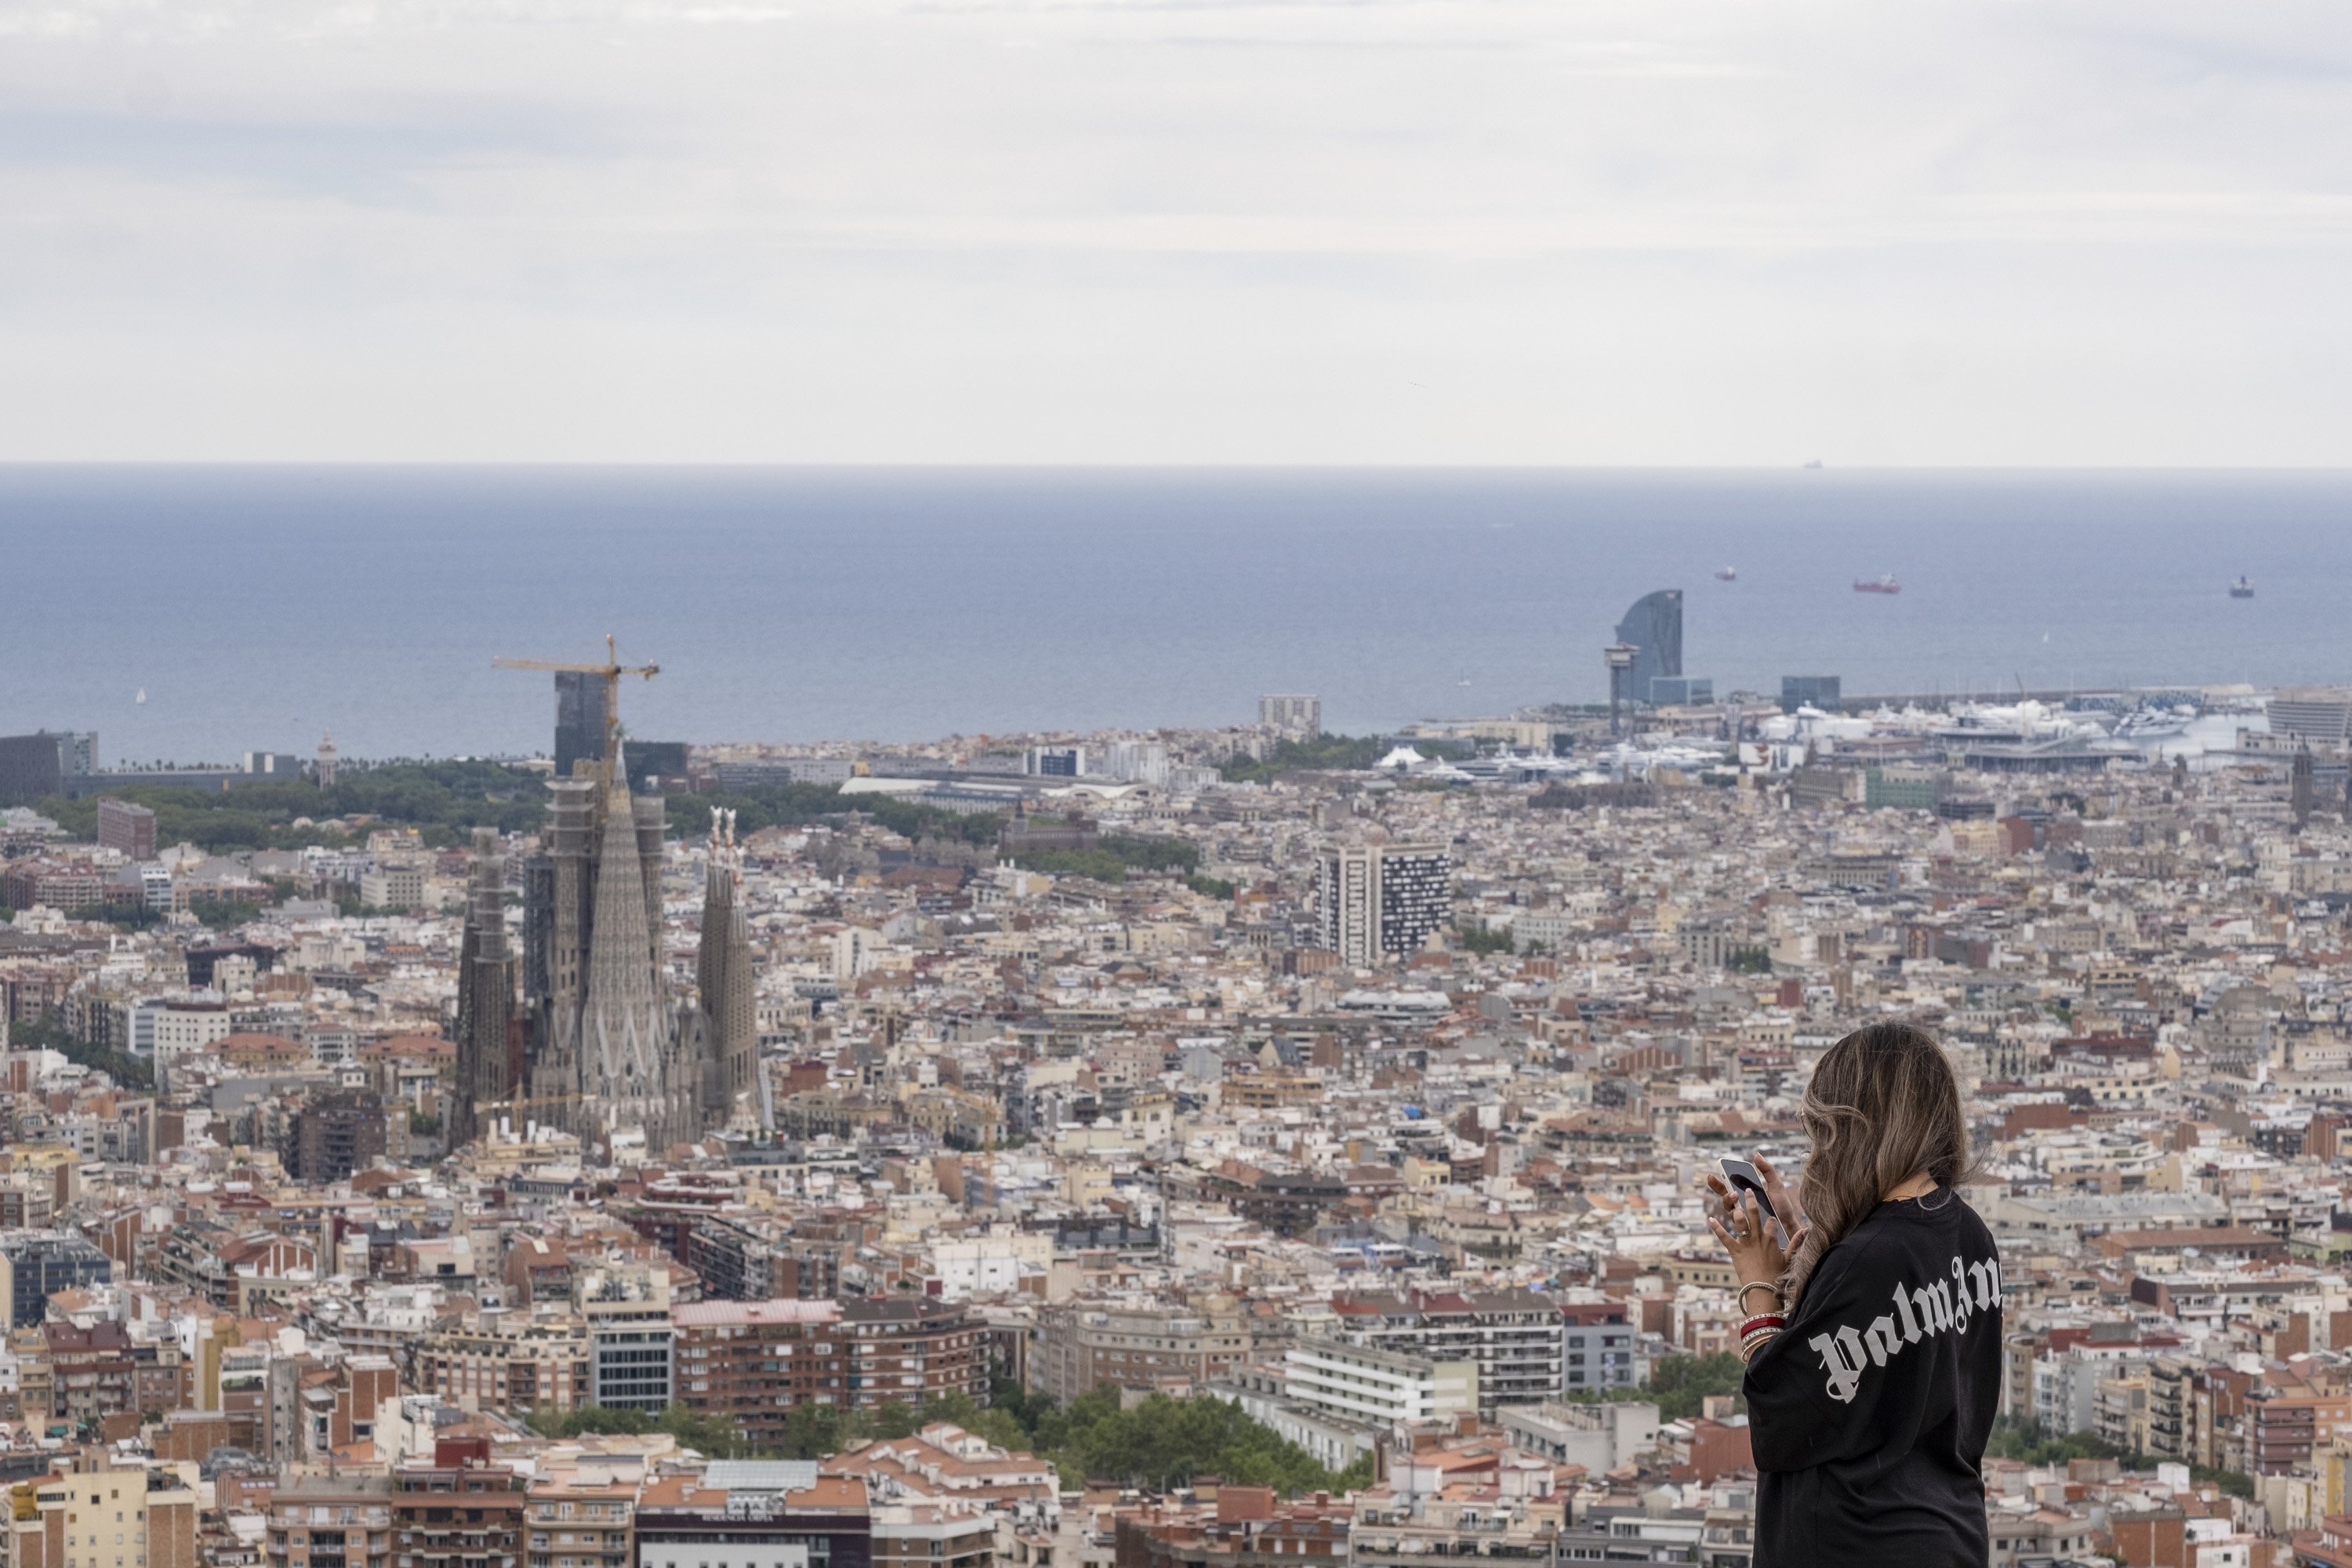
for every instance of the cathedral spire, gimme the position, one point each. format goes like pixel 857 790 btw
pixel 625 1036
pixel 727 1024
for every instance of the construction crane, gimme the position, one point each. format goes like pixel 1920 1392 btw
pixel 611 670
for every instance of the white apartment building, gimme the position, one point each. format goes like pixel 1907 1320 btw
pixel 1292 714
pixel 1362 1383
pixel 393 888
pixel 164 1028
pixel 1138 762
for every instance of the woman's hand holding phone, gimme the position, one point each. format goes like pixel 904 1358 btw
pixel 1783 1201
pixel 1746 1235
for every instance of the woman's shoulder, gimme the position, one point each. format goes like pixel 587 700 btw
pixel 1973 1227
pixel 1878 1239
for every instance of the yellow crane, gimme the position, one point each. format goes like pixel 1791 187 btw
pixel 611 670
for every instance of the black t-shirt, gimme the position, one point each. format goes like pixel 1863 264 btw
pixel 1869 1413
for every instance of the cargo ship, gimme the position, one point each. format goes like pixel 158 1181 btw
pixel 2243 588
pixel 1886 584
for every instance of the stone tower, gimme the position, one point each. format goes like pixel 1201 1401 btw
pixel 557 885
pixel 627 1045
pixel 485 995
pixel 605 1047
pixel 726 1025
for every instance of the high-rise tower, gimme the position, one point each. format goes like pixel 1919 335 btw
pixel 580 721
pixel 1654 629
pixel 726 1025
pixel 1383 902
pixel 486 1027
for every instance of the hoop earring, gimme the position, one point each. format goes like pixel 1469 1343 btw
pixel 1926 1208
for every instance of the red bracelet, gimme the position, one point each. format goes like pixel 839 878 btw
pixel 1767 1321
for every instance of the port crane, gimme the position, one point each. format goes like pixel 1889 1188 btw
pixel 611 670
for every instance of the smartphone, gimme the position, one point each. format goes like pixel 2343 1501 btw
pixel 1743 1177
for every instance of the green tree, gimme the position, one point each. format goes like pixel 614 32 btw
pixel 1001 1427
pixel 1164 1442
pixel 2015 1439
pixel 813 1431
pixel 593 1419
pixel 707 1435
pixel 45 1033
pixel 1346 753
pixel 1679 1385
pixel 1483 940
pixel 442 800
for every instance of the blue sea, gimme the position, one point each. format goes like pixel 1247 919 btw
pixel 259 607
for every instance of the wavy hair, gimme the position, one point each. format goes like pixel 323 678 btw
pixel 1883 1107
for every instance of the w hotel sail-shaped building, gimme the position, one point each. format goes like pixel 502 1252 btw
pixel 1654 629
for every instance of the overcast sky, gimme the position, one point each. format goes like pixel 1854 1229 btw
pixel 1442 231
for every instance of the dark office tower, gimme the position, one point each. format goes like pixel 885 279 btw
pixel 486 996
pixel 1810 691
pixel 656 759
pixel 2300 789
pixel 42 764
pixel 1654 629
pixel 579 720
pixel 725 1023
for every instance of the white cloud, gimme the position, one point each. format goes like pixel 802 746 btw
pixel 1174 230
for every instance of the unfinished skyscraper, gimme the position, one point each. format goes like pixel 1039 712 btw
pixel 489 1038
pixel 580 715
pixel 726 1028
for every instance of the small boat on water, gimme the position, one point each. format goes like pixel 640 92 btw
pixel 1727 573
pixel 1886 584
pixel 2154 723
pixel 2243 588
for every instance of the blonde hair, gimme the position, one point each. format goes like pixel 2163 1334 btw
pixel 1883 1107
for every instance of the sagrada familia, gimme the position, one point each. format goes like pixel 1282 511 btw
pixel 579 1031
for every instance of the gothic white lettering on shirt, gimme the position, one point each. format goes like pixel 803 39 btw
pixel 1921 1311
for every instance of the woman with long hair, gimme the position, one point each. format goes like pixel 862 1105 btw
pixel 1873 1338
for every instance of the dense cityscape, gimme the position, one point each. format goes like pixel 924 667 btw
pixel 1150 1149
